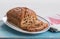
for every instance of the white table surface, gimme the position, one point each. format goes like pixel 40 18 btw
pixel 41 7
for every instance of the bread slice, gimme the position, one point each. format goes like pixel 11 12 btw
pixel 29 18
pixel 38 26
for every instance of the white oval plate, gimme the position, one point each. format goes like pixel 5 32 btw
pixel 20 30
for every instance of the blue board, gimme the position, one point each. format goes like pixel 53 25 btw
pixel 6 31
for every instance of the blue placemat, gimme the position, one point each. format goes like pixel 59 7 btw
pixel 6 31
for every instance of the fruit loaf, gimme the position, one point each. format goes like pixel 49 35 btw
pixel 25 19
